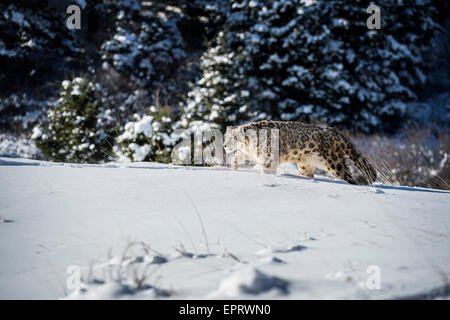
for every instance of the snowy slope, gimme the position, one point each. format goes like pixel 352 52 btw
pixel 268 236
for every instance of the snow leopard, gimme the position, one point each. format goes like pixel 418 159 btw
pixel 306 145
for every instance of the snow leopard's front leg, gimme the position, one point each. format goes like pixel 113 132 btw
pixel 268 165
pixel 234 161
pixel 306 169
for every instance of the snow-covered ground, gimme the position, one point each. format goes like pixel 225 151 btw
pixel 206 233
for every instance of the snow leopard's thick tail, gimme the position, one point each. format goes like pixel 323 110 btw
pixel 368 171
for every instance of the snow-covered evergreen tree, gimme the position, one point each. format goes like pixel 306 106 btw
pixel 26 33
pixel 311 59
pixel 34 45
pixel 75 128
pixel 216 98
pixel 147 137
pixel 144 47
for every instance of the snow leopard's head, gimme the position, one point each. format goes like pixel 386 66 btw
pixel 239 138
pixel 230 139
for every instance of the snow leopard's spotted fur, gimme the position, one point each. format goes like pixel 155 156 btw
pixel 306 145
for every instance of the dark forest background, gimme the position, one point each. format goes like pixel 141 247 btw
pixel 139 70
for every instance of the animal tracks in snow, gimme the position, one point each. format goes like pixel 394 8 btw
pixel 4 220
pixel 281 250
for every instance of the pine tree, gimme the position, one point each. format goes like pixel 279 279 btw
pixel 147 137
pixel 216 98
pixel 34 46
pixel 27 33
pixel 74 131
pixel 144 47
